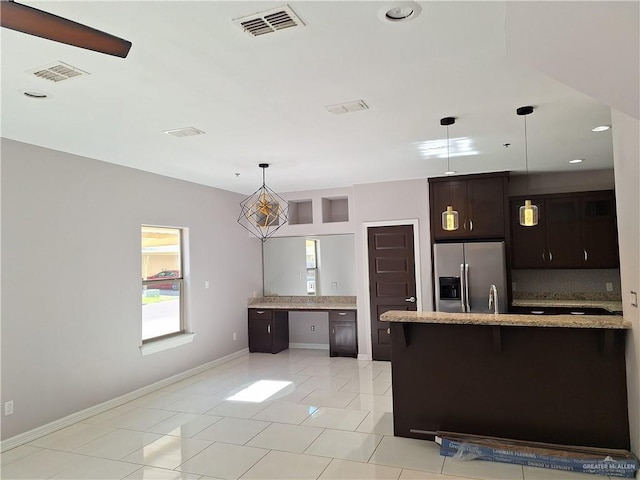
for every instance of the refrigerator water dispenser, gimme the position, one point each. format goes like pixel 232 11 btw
pixel 449 288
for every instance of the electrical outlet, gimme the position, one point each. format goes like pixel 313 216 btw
pixel 235 336
pixel 334 285
pixel 634 299
pixel 206 284
pixel 609 286
pixel 8 407
pixel 313 328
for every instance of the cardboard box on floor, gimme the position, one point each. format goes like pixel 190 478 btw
pixel 599 461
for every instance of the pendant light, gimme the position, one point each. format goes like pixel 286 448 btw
pixel 449 216
pixel 264 211
pixel 528 212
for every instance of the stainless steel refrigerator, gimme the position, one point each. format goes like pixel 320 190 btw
pixel 464 274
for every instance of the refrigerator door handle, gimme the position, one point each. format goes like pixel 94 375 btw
pixel 466 287
pixel 462 288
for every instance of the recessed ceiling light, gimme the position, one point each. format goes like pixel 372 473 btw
pixel 399 12
pixel 577 160
pixel 601 128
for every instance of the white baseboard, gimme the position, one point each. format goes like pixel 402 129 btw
pixel 313 346
pixel 69 420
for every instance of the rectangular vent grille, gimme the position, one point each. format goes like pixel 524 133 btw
pixel 270 21
pixel 184 132
pixel 57 72
pixel 347 107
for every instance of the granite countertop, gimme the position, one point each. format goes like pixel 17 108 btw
pixel 509 320
pixel 612 306
pixel 304 303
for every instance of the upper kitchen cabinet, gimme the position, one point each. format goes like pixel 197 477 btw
pixel 481 203
pixel 575 230
pixel 599 230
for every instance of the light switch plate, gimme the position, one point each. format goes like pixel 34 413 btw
pixel 609 286
pixel 634 299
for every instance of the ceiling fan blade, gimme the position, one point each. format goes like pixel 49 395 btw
pixel 46 25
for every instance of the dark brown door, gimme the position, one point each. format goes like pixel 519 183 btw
pixel 392 280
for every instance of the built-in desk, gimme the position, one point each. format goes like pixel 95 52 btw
pixel 269 322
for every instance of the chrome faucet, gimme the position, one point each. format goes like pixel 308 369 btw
pixel 493 299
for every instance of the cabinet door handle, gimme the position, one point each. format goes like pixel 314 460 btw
pixel 389 331
pixel 543 257
pixel 410 299
pixel 586 256
pixel 550 256
pixel 333 331
pixel 269 329
pixel 471 225
pixel 342 313
pixel 464 224
pixel 259 312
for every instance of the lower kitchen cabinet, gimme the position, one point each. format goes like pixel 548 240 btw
pixel 268 330
pixel 343 334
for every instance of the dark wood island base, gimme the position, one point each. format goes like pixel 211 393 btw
pixel 546 384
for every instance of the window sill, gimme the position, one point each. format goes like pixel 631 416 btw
pixel 166 343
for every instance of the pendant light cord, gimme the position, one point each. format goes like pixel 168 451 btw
pixel 448 166
pixel 448 169
pixel 526 153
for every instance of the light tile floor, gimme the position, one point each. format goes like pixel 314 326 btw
pixel 333 421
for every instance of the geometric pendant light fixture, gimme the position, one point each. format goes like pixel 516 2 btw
pixel 449 216
pixel 264 211
pixel 528 213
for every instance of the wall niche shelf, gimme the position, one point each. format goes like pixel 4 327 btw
pixel 335 209
pixel 300 212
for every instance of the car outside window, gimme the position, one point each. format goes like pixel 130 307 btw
pixel 162 282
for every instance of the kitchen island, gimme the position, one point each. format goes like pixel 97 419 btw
pixel 557 379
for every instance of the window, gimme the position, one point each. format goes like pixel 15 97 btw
pixel 162 282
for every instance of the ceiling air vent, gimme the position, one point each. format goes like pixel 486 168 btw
pixel 184 132
pixel 270 21
pixel 347 107
pixel 57 72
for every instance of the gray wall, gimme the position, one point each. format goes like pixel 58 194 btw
pixel 71 309
pixel 300 332
pixel 626 151
pixel 390 202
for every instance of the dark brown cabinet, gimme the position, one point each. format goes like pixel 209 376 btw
pixel 480 201
pixel 343 333
pixel 575 230
pixel 599 230
pixel 268 330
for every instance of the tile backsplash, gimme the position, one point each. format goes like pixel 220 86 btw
pixel 566 284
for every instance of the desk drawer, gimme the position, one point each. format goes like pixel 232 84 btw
pixel 342 315
pixel 260 314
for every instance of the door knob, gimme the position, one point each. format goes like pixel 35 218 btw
pixel 410 299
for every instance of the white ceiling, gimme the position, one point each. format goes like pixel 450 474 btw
pixel 262 99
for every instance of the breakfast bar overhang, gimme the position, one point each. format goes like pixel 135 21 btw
pixel 557 379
